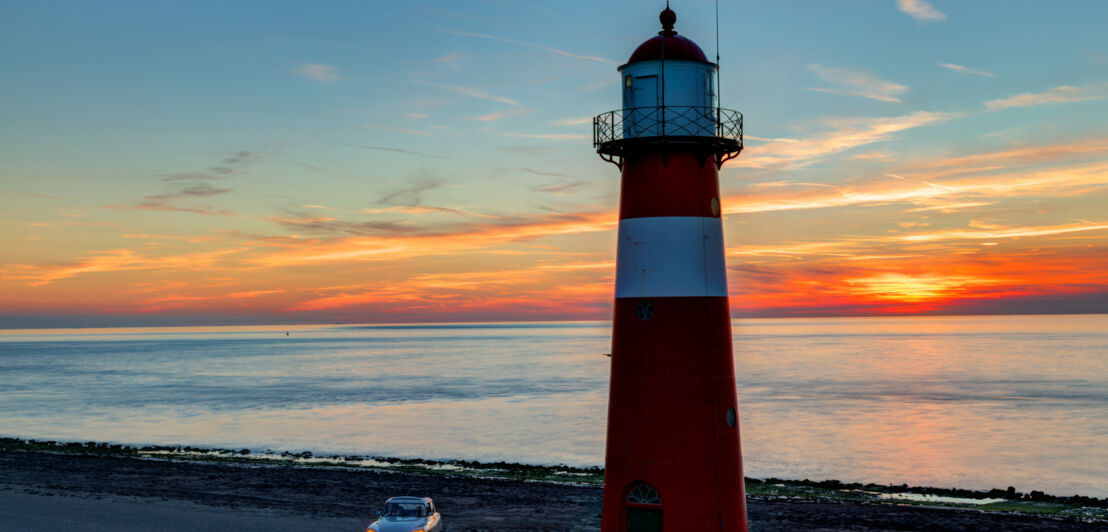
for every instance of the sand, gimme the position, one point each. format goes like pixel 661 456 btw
pixel 53 491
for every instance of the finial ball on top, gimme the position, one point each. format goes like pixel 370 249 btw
pixel 667 17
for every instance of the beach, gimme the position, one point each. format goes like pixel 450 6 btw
pixel 57 491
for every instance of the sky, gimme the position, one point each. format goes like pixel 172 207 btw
pixel 198 163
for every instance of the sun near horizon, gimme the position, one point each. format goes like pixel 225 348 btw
pixel 210 163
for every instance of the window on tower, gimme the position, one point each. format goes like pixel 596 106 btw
pixel 644 494
pixel 643 510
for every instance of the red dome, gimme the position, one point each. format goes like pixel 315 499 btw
pixel 676 47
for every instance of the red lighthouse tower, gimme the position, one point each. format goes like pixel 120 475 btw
pixel 673 460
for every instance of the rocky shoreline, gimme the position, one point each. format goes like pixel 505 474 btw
pixel 112 484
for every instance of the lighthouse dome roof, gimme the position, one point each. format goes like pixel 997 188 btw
pixel 674 46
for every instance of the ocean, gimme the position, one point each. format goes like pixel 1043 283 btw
pixel 970 402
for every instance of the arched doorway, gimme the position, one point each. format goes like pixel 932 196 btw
pixel 643 509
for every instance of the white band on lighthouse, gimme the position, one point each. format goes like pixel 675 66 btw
pixel 670 256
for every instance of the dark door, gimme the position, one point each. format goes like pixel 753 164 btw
pixel 644 519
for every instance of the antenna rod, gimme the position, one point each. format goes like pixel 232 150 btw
pixel 663 87
pixel 719 97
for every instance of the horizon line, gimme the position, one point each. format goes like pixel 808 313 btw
pixel 6 328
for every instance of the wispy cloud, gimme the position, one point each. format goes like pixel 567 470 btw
pixel 248 294
pixel 399 130
pixel 573 121
pixel 930 189
pixel 967 70
pixel 546 136
pixel 857 83
pixel 869 248
pixel 396 244
pixel 163 205
pixel 1065 151
pixel 472 291
pixel 425 209
pixel 319 72
pixel 531 151
pixel 530 45
pixel 1062 94
pixel 847 134
pixel 196 190
pixel 112 261
pixel 326 225
pixel 193 185
pixel 396 150
pixel 764 139
pixel 952 207
pixel 161 202
pixel 499 115
pixel 542 172
pixel 561 187
pixel 229 166
pixel 597 85
pixel 451 60
pixel 998 233
pixel 411 194
pixel 156 236
pixel 874 156
pixel 468 91
pixel 920 10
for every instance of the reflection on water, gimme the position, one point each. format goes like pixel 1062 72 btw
pixel 965 401
pixel 975 402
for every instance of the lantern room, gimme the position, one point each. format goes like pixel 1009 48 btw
pixel 670 96
pixel 668 71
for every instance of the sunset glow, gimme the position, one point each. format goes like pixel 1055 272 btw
pixel 436 164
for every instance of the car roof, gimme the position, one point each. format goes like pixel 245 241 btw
pixel 408 498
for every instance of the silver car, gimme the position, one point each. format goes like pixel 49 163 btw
pixel 408 514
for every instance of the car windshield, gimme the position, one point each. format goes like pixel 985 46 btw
pixel 404 509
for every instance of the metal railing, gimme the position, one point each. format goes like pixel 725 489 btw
pixel 678 121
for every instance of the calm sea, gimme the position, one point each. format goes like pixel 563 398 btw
pixel 973 402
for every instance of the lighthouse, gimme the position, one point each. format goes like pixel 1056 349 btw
pixel 673 460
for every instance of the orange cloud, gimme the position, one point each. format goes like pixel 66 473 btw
pixel 928 235
pixel 462 238
pixel 1065 152
pixel 909 284
pixel 1062 94
pixel 924 190
pixel 548 285
pixel 112 260
pixel 1001 233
